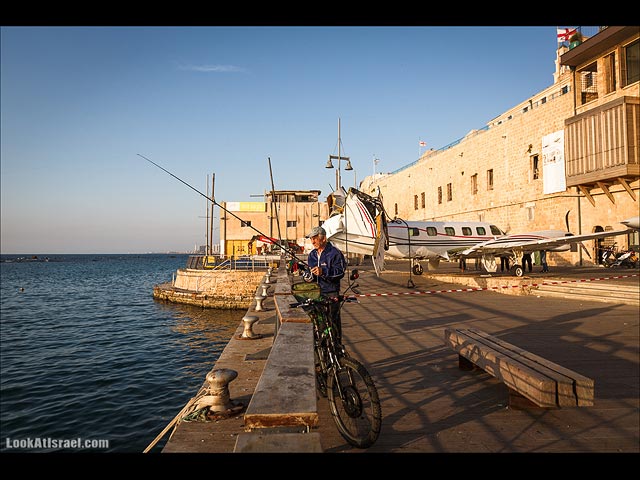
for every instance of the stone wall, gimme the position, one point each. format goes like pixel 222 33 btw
pixel 516 202
pixel 227 289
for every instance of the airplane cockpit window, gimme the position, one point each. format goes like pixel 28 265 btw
pixel 481 231
pixel 449 231
pixel 496 231
pixel 466 231
pixel 432 232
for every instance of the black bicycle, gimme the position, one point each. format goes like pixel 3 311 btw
pixel 352 395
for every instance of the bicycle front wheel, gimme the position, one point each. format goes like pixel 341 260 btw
pixel 354 403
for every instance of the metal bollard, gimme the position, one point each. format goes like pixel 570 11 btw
pixel 264 290
pixel 259 299
pixel 267 278
pixel 219 389
pixel 249 321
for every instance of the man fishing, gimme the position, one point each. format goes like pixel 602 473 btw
pixel 327 266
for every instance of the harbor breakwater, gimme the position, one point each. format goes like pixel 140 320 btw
pixel 224 289
pixel 260 396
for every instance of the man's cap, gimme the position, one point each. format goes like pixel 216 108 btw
pixel 317 231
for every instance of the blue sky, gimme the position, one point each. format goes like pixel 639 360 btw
pixel 80 104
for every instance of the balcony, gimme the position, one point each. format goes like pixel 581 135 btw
pixel 601 147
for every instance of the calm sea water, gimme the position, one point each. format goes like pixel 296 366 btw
pixel 88 355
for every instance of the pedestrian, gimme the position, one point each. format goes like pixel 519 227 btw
pixel 463 264
pixel 526 260
pixel 327 267
pixel 543 261
pixel 504 263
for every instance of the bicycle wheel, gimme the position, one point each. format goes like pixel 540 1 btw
pixel 354 403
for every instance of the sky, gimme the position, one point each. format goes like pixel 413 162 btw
pixel 82 107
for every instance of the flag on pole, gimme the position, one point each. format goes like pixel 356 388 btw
pixel 564 34
pixel 423 144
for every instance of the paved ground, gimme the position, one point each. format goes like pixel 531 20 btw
pixel 430 406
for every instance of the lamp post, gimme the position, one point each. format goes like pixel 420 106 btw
pixel 339 158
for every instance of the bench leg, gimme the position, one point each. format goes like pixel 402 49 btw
pixel 520 402
pixel 465 364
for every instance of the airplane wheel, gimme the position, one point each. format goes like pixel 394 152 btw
pixel 417 269
pixel 517 270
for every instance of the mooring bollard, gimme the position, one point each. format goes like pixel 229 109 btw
pixel 249 321
pixel 219 389
pixel 259 299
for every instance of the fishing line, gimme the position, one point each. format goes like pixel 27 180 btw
pixel 286 249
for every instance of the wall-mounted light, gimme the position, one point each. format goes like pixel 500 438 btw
pixel 461 154
pixel 530 148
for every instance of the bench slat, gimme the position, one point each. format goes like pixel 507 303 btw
pixel 535 386
pixel 573 388
pixel 565 396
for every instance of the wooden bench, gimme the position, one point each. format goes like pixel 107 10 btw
pixel 532 380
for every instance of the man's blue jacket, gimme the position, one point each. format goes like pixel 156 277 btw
pixel 333 266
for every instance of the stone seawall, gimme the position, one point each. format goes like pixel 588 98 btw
pixel 225 289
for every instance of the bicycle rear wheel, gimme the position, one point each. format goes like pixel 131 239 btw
pixel 354 403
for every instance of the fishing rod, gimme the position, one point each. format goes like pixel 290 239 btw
pixel 286 249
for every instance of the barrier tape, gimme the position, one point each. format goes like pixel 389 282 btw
pixel 479 289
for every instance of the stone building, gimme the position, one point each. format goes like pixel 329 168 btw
pixel 571 150
pixel 285 215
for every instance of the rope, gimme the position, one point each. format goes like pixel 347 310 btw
pixel 184 412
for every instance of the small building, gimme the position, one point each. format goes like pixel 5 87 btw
pixel 250 228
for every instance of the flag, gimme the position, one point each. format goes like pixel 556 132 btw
pixel 565 33
pixel 423 144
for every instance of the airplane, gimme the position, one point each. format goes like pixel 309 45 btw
pixel 358 223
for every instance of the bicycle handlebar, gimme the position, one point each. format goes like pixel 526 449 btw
pixel 324 300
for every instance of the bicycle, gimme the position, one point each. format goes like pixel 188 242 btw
pixel 352 395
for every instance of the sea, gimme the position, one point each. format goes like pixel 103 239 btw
pixel 90 361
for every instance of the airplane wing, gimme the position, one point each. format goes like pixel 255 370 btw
pixel 532 243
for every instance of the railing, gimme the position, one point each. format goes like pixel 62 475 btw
pixel 210 262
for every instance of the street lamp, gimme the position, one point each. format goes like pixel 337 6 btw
pixel 339 158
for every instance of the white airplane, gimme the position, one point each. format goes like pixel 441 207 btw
pixel 358 224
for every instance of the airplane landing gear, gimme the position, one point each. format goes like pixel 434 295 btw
pixel 517 270
pixel 417 269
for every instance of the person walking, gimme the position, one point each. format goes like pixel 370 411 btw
pixel 543 261
pixel 327 267
pixel 526 260
pixel 463 264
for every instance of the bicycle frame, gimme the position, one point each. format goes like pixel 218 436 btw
pixel 352 395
